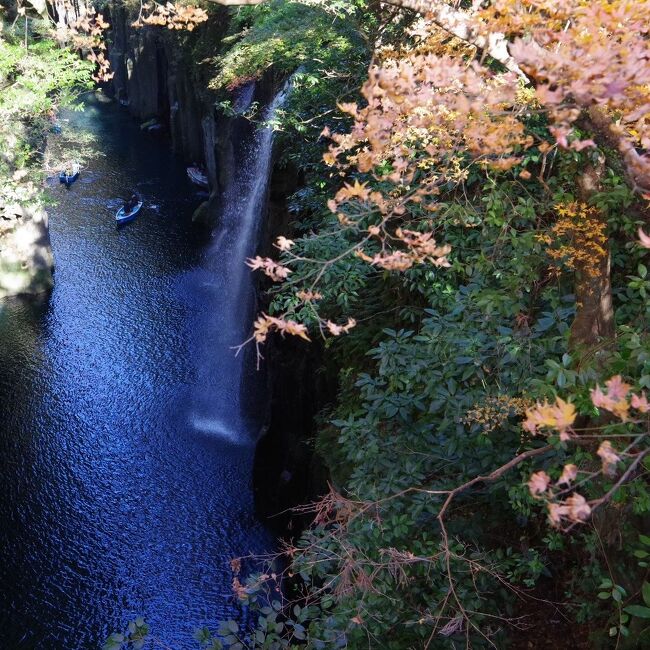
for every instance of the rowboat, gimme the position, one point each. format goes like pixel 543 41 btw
pixel 123 217
pixel 70 176
pixel 197 177
pixel 145 126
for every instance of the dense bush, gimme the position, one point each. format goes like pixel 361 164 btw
pixel 284 35
pixel 37 75
pixel 413 548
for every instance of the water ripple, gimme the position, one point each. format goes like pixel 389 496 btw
pixel 114 503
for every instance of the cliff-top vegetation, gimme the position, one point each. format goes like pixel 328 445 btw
pixel 37 76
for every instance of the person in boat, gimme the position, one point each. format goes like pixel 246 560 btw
pixel 131 203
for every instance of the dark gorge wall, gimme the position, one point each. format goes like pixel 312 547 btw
pixel 158 74
pixel 155 74
pixel 287 470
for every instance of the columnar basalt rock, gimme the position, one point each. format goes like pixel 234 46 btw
pixel 157 79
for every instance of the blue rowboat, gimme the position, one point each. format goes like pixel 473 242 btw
pixel 123 217
pixel 70 176
pixel 198 177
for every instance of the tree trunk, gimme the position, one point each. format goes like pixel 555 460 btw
pixel 593 326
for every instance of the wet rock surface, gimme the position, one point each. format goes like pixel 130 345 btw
pixel 26 260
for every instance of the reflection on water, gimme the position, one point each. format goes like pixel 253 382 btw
pixel 112 505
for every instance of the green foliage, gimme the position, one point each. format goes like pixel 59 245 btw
pixel 135 637
pixel 401 422
pixel 435 346
pixel 285 35
pixel 41 78
pixel 35 81
pixel 628 614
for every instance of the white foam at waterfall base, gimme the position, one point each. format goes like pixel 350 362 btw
pixel 216 405
pixel 216 428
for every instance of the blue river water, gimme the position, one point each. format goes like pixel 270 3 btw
pixel 112 505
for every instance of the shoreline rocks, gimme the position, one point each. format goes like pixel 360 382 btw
pixel 26 260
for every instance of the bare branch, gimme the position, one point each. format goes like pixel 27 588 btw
pixel 459 24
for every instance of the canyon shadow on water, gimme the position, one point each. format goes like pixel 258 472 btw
pixel 114 503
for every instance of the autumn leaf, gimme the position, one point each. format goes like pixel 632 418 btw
pixel 644 239
pixel 559 416
pixel 614 399
pixel 270 268
pixel 538 483
pixel 579 509
pixel 609 457
pixel 283 244
pixel 569 473
pixel 640 403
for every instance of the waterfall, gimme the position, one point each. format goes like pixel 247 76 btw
pixel 217 408
pixel 244 98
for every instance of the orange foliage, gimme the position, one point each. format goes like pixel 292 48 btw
pixel 423 112
pixel 87 35
pixel 618 400
pixel 272 269
pixel 431 111
pixel 172 16
pixel 579 238
pixel 559 416
pixel 437 107
pixel 583 55
pixel 265 324
pixel 495 411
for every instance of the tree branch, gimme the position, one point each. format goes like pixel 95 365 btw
pixel 458 23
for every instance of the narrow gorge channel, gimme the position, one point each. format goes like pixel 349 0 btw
pixel 126 448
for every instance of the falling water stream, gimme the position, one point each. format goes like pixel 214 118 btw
pixel 127 425
pixel 218 406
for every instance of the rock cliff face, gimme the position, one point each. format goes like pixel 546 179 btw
pixel 287 472
pixel 26 260
pixel 156 75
